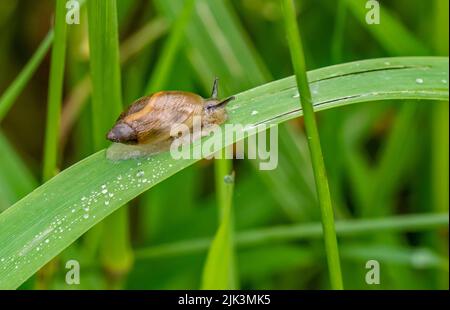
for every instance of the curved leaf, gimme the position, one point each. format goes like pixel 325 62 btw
pixel 54 215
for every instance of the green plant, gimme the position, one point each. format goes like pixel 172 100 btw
pixel 386 160
pixel 320 175
pixel 8 97
pixel 115 253
pixel 71 190
pixel 55 91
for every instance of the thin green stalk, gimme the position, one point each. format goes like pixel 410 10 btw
pixel 54 99
pixel 219 269
pixel 116 255
pixel 13 91
pixel 115 249
pixel 222 168
pixel 323 191
pixel 344 228
pixel 55 91
pixel 170 49
pixel 105 68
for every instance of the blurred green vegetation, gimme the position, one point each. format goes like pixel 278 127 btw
pixel 383 159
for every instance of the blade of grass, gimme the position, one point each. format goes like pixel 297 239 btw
pixel 105 69
pixel 54 98
pixel 31 221
pixel 12 92
pixel 219 271
pixel 323 191
pixel 55 91
pixel 277 234
pixel 15 179
pixel 116 255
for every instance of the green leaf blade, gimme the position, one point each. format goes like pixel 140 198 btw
pixel 30 222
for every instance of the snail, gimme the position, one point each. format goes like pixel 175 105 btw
pixel 145 126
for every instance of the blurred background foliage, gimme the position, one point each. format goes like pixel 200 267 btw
pixel 383 158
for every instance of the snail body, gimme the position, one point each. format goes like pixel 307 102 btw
pixel 145 126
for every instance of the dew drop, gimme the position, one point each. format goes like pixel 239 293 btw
pixel 86 216
pixel 420 258
pixel 106 202
pixel 228 179
pixel 139 174
pixel 254 112
pixel 444 81
pixel 419 81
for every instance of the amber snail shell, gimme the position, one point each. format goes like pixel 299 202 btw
pixel 149 119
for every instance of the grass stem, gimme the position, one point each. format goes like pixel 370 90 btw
pixel 219 270
pixel 55 92
pixel 344 228
pixel 323 191
pixel 13 91
pixel 116 254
